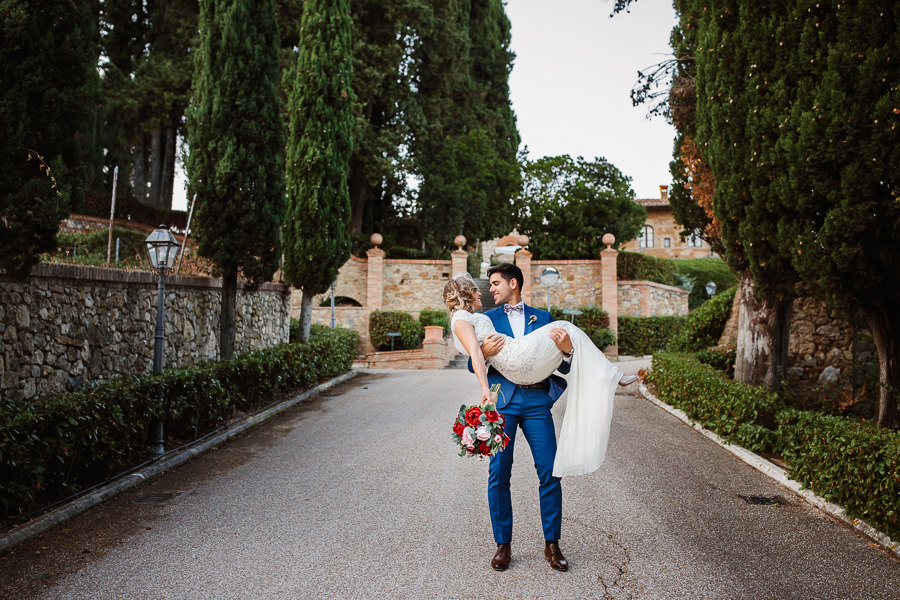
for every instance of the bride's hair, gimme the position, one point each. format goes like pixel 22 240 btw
pixel 460 294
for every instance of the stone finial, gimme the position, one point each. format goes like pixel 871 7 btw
pixel 523 240
pixel 460 241
pixel 609 239
pixel 376 239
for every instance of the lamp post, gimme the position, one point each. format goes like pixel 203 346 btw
pixel 549 278
pixel 162 249
pixel 711 289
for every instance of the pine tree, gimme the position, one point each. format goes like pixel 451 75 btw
pixel 318 153
pixel 236 135
pixel 49 92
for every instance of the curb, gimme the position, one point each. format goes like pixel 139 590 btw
pixel 47 521
pixel 779 475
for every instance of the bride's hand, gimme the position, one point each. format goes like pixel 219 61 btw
pixel 486 396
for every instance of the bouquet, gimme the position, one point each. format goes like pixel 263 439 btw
pixel 479 430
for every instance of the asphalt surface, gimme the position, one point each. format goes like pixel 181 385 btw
pixel 359 494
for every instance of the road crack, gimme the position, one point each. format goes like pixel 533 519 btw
pixel 620 566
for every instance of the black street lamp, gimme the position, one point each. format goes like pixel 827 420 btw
pixel 162 248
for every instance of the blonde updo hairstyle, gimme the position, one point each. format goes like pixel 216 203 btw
pixel 460 294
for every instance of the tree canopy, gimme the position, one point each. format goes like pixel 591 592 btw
pixel 567 204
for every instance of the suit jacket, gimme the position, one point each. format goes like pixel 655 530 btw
pixel 501 324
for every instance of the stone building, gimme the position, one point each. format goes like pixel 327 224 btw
pixel 661 235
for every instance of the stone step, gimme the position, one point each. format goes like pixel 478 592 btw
pixel 460 361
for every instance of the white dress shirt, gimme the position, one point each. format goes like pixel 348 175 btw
pixel 517 320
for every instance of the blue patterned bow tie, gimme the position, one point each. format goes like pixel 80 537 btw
pixel 511 309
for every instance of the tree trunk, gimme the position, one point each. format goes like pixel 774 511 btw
pixel 155 166
pixel 884 325
pixel 762 337
pixel 139 169
pixel 227 316
pixel 168 174
pixel 358 193
pixel 305 315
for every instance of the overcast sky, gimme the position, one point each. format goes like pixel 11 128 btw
pixel 571 80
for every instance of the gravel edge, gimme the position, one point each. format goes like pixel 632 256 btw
pixel 779 475
pixel 35 527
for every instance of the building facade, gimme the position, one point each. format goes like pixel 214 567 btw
pixel 661 235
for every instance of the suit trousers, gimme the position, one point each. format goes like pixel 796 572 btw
pixel 530 410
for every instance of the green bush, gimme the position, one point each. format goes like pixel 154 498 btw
pixel 633 266
pixel 59 444
pixel 90 248
pixel 411 334
pixel 593 320
pixel 382 322
pixel 721 359
pixel 701 271
pixel 644 335
pixel 431 317
pixel 847 461
pixel 704 326
pixel 740 413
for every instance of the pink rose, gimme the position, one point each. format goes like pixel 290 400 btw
pixel 483 434
pixel 467 438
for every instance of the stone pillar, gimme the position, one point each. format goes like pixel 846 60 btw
pixel 610 289
pixel 523 261
pixel 374 274
pixel 459 258
pixel 433 344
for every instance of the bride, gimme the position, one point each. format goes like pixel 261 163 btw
pixel 532 358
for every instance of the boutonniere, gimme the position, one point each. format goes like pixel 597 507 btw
pixel 532 319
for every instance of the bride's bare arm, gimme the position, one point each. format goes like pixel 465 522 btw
pixel 466 334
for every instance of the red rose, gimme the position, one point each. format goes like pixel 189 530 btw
pixel 483 448
pixel 505 440
pixel 458 428
pixel 492 415
pixel 472 416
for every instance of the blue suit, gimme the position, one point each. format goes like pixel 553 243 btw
pixel 529 409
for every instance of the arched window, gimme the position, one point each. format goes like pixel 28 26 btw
pixel 646 239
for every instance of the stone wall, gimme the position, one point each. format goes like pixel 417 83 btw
pixel 344 316
pixel 580 283
pixel 412 285
pixel 69 324
pixel 651 299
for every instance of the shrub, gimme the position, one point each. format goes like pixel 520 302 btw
pixel 701 271
pixel 382 322
pixel 430 316
pixel 721 359
pixel 411 334
pixel 593 320
pixel 91 248
pixel 704 326
pixel 644 335
pixel 56 445
pixel 633 266
pixel 738 412
pixel 847 461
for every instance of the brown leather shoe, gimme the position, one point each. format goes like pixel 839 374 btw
pixel 555 557
pixel 500 562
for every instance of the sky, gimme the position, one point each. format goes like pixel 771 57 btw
pixel 570 85
pixel 571 80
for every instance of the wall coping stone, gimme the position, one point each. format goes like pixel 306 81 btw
pixel 90 273
pixel 567 261
pixel 418 261
pixel 662 286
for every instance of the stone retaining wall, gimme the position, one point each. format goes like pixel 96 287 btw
pixel 651 299
pixel 580 283
pixel 70 324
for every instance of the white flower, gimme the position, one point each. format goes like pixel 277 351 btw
pixel 468 436
pixel 483 433
pixel 498 438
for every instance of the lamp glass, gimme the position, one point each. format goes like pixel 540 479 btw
pixel 711 288
pixel 549 276
pixel 162 248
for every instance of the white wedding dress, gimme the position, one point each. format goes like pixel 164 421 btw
pixel 590 393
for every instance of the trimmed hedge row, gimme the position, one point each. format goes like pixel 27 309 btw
pixel 633 266
pixel 701 271
pixel 59 444
pixel 644 335
pixel 432 317
pixel 847 461
pixel 593 320
pixel 704 326
pixel 382 322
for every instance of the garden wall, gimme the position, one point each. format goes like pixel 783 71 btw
pixel 70 324
pixel 651 299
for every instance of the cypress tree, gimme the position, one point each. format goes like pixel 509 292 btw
pixel 49 92
pixel 236 133
pixel 318 153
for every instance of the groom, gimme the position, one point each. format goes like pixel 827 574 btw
pixel 528 407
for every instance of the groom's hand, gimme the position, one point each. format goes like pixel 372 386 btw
pixel 492 344
pixel 560 337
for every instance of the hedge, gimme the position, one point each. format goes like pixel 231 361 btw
pixel 633 266
pixel 56 445
pixel 644 335
pixel 411 334
pixel 704 326
pixel 701 271
pixel 430 317
pixel 845 460
pixel 593 320
pixel 382 322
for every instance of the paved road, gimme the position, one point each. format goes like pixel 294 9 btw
pixel 359 495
